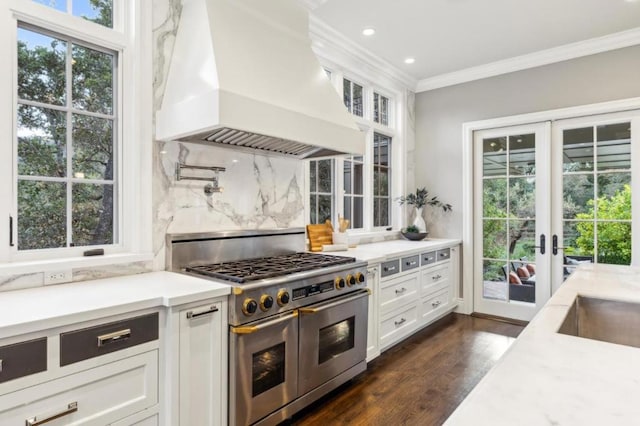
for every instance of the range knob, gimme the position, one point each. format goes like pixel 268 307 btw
pixel 360 277
pixel 266 302
pixel 249 307
pixel 339 282
pixel 351 280
pixel 283 297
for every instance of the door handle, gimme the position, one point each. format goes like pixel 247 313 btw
pixel 554 245
pixel 543 243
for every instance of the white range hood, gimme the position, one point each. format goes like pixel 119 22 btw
pixel 243 76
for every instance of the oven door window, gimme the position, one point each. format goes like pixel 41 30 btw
pixel 268 368
pixel 336 339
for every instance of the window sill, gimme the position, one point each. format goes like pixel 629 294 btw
pixel 35 266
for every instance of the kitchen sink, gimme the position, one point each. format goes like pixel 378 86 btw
pixel 605 320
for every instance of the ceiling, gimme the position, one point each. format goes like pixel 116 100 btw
pixel 446 36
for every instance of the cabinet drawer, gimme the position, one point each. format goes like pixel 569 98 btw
pixel 410 262
pixel 97 396
pixel 434 279
pixel 428 258
pixel 398 291
pixel 22 359
pixel 389 268
pixel 433 305
pixel 79 345
pixel 398 325
pixel 444 254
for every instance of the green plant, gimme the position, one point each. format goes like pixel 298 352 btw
pixel 412 228
pixel 421 199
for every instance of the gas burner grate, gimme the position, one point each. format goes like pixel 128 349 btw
pixel 242 271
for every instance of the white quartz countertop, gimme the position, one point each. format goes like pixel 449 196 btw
pixel 546 378
pixel 386 250
pixel 25 311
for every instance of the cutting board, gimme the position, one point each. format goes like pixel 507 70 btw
pixel 319 235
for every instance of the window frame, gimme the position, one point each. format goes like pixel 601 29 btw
pixel 395 130
pixel 129 37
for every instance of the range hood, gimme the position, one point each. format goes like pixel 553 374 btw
pixel 243 76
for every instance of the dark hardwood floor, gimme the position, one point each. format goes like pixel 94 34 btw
pixel 419 381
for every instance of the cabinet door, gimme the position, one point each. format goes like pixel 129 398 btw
pixel 97 396
pixel 202 383
pixel 373 347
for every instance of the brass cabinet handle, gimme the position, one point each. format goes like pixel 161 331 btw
pixel 116 336
pixel 71 408
pixel 193 314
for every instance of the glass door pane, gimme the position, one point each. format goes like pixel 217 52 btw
pixel 593 221
pixel 508 188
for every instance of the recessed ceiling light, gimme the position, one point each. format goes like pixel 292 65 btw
pixel 409 60
pixel 368 31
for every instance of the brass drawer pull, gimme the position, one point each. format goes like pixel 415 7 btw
pixel 71 408
pixel 116 336
pixel 402 321
pixel 402 290
pixel 192 314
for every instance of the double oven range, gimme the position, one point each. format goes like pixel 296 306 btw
pixel 297 320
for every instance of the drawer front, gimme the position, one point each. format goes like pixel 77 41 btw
pixel 97 396
pixel 410 262
pixel 22 359
pixel 397 292
pixel 444 254
pixel 428 258
pixel 433 305
pixel 434 278
pixel 91 342
pixel 399 325
pixel 389 268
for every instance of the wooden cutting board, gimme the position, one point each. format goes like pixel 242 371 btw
pixel 319 235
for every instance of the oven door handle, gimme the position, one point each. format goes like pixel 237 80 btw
pixel 248 329
pixel 334 303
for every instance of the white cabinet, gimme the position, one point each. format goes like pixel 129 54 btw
pixel 373 281
pixel 414 291
pixel 99 395
pixel 197 367
pixel 98 372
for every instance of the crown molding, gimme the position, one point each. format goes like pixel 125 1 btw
pixel 544 57
pixel 335 47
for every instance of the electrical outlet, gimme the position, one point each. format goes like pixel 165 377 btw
pixel 57 277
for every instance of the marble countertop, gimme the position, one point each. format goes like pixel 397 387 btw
pixel 29 310
pixel 546 378
pixel 386 250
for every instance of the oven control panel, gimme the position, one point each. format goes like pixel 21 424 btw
pixel 311 290
pixel 249 304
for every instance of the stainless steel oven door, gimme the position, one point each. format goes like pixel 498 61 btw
pixel 263 369
pixel 333 338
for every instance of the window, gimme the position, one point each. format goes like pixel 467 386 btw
pixel 353 178
pixel 321 190
pixel 78 168
pixel 65 135
pixel 353 97
pixel 380 109
pixel 381 180
pixel 100 12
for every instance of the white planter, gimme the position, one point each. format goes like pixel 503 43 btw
pixel 419 221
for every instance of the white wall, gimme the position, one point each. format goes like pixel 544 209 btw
pixel 440 114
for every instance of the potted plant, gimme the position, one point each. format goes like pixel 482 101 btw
pixel 418 200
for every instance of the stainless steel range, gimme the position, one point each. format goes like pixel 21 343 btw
pixel 297 321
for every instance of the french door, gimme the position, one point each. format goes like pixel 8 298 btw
pixel 548 197
pixel 512 220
